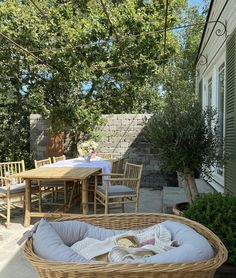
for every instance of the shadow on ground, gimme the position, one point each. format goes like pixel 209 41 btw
pixel 13 264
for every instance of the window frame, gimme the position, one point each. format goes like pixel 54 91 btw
pixel 221 68
pixel 216 181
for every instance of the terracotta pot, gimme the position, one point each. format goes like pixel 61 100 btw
pixel 180 207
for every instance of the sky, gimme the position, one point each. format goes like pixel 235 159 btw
pixel 195 2
pixel 199 3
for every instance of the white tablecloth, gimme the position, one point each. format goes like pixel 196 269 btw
pixel 105 165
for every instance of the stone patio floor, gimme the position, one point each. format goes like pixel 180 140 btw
pixel 13 264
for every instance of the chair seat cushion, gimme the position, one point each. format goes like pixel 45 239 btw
pixel 117 190
pixel 14 188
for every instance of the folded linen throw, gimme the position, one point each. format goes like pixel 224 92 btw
pixel 122 253
pixel 130 245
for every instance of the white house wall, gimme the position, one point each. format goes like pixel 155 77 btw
pixel 215 42
pixel 215 52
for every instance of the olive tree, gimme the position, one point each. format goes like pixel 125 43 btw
pixel 186 137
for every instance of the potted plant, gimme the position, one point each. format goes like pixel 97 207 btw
pixel 186 137
pixel 217 212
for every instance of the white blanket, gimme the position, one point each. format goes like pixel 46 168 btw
pixel 91 248
pixel 105 165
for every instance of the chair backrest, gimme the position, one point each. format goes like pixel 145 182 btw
pixel 7 169
pixel 118 166
pixel 105 155
pixel 58 158
pixel 39 163
pixel 133 171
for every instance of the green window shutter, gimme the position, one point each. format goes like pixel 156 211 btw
pixel 200 91
pixel 230 115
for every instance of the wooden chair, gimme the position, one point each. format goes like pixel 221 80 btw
pixel 105 155
pixel 117 170
pixel 120 190
pixel 42 162
pixel 70 186
pixel 118 166
pixel 58 158
pixel 11 188
pixel 52 187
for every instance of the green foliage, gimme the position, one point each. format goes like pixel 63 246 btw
pixel 83 63
pixel 179 74
pixel 119 57
pixel 79 120
pixel 217 212
pixel 14 124
pixel 184 135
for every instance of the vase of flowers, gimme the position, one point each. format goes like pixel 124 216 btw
pixel 87 149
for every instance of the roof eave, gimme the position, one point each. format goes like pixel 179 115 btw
pixel 204 31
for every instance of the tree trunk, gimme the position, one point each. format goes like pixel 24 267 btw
pixel 190 185
pixel 183 183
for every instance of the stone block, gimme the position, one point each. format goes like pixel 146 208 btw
pixel 124 145
pixel 41 148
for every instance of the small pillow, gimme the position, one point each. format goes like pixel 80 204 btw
pixel 48 245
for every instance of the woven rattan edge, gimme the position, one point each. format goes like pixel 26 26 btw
pixel 201 266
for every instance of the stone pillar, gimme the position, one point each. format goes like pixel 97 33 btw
pixel 38 137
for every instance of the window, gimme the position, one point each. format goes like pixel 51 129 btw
pixel 221 110
pixel 200 91
pixel 209 93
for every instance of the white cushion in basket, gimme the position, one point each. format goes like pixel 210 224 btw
pixel 73 231
pixel 48 245
pixel 193 246
pixel 52 240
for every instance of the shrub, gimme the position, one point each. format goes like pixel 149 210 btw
pixel 218 213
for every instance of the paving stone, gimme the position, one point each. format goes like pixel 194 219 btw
pixel 174 195
pixel 13 264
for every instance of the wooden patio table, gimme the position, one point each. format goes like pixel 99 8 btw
pixel 55 173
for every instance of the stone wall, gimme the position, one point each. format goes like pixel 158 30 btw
pixel 38 136
pixel 122 135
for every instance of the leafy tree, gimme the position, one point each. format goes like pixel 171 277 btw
pixel 14 123
pixel 85 58
pixel 180 73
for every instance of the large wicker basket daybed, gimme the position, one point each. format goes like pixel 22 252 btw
pixel 199 269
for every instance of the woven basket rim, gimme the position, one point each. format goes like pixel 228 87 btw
pixel 207 265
